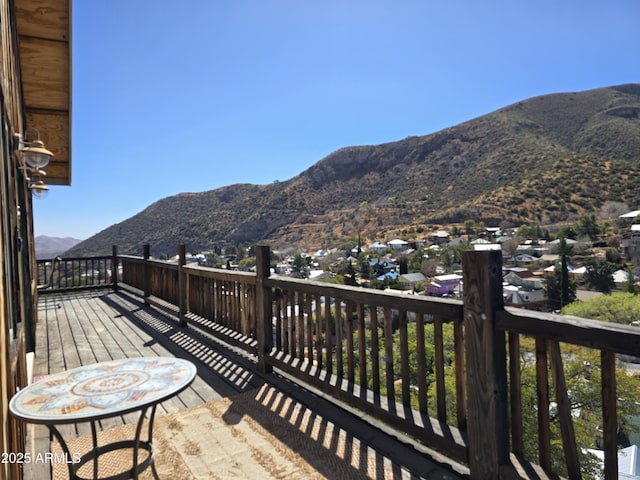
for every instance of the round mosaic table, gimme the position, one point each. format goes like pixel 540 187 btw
pixel 102 390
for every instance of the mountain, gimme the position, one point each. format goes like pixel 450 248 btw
pixel 49 247
pixel 548 159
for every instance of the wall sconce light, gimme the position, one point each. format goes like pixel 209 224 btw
pixel 39 189
pixel 34 153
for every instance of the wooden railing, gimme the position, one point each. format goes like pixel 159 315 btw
pixel 72 274
pixel 355 345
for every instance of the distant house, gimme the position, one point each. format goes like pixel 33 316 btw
pixel 633 214
pixel 410 280
pixel 378 247
pixel 621 276
pixel 515 296
pixel 524 289
pixel 631 245
pixel 444 284
pixel 388 276
pixel 480 241
pixel 441 237
pixel 319 274
pixel 381 266
pixel 549 259
pixel 483 247
pixel 493 231
pixel 554 245
pixel 525 259
pixel 628 462
pixel 522 277
pixel 397 244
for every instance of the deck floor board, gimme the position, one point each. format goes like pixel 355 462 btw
pixel 82 329
pixel 85 328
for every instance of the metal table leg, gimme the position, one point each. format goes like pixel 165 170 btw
pixel 136 444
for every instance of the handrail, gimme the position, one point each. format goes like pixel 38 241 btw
pixel 352 344
pixel 388 299
pixel 74 273
pixel 614 337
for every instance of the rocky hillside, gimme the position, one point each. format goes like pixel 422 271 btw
pixel 547 159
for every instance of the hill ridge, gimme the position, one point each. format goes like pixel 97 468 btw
pixel 544 159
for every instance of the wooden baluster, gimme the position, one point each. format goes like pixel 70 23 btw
pixel 404 359
pixel 421 366
pixel 362 351
pixel 461 395
pixel 515 384
pixel 348 332
pixel 318 343
pixel 300 326
pixel 375 354
pixel 328 335
pixel 339 334
pixel 609 414
pixel 564 413
pixel 542 390
pixel 309 328
pixel 441 397
pixel 388 353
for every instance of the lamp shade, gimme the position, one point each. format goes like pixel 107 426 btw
pixel 39 189
pixel 35 155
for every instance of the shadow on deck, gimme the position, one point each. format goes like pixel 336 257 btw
pixel 331 441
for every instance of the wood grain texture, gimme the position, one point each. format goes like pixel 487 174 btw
pixel 487 422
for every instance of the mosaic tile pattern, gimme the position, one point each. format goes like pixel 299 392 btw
pixel 101 390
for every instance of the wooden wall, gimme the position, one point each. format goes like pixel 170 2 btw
pixel 44 40
pixel 35 83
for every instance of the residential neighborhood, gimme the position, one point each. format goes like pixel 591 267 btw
pixel 432 265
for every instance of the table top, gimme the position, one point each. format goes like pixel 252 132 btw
pixel 102 390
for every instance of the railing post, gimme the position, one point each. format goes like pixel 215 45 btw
pixel 264 313
pixel 146 272
pixel 114 267
pixel 182 285
pixel 488 417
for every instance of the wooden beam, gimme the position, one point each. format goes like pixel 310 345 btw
pixel 45 73
pixel 44 18
pixel 44 33
pixel 595 334
pixel 487 421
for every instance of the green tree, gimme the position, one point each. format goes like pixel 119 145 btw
pixel 531 232
pixel 301 264
pixel 349 274
pixel 619 307
pixel 567 232
pixel 451 255
pixel 582 375
pixel 470 227
pixel 560 288
pixel 364 267
pixel 587 226
pixel 599 275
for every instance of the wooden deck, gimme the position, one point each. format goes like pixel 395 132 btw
pixel 81 329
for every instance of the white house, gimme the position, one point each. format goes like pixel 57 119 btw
pixel 397 244
pixel 410 280
pixel 628 462
pixel 378 247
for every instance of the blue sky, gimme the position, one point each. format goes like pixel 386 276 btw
pixel 188 96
